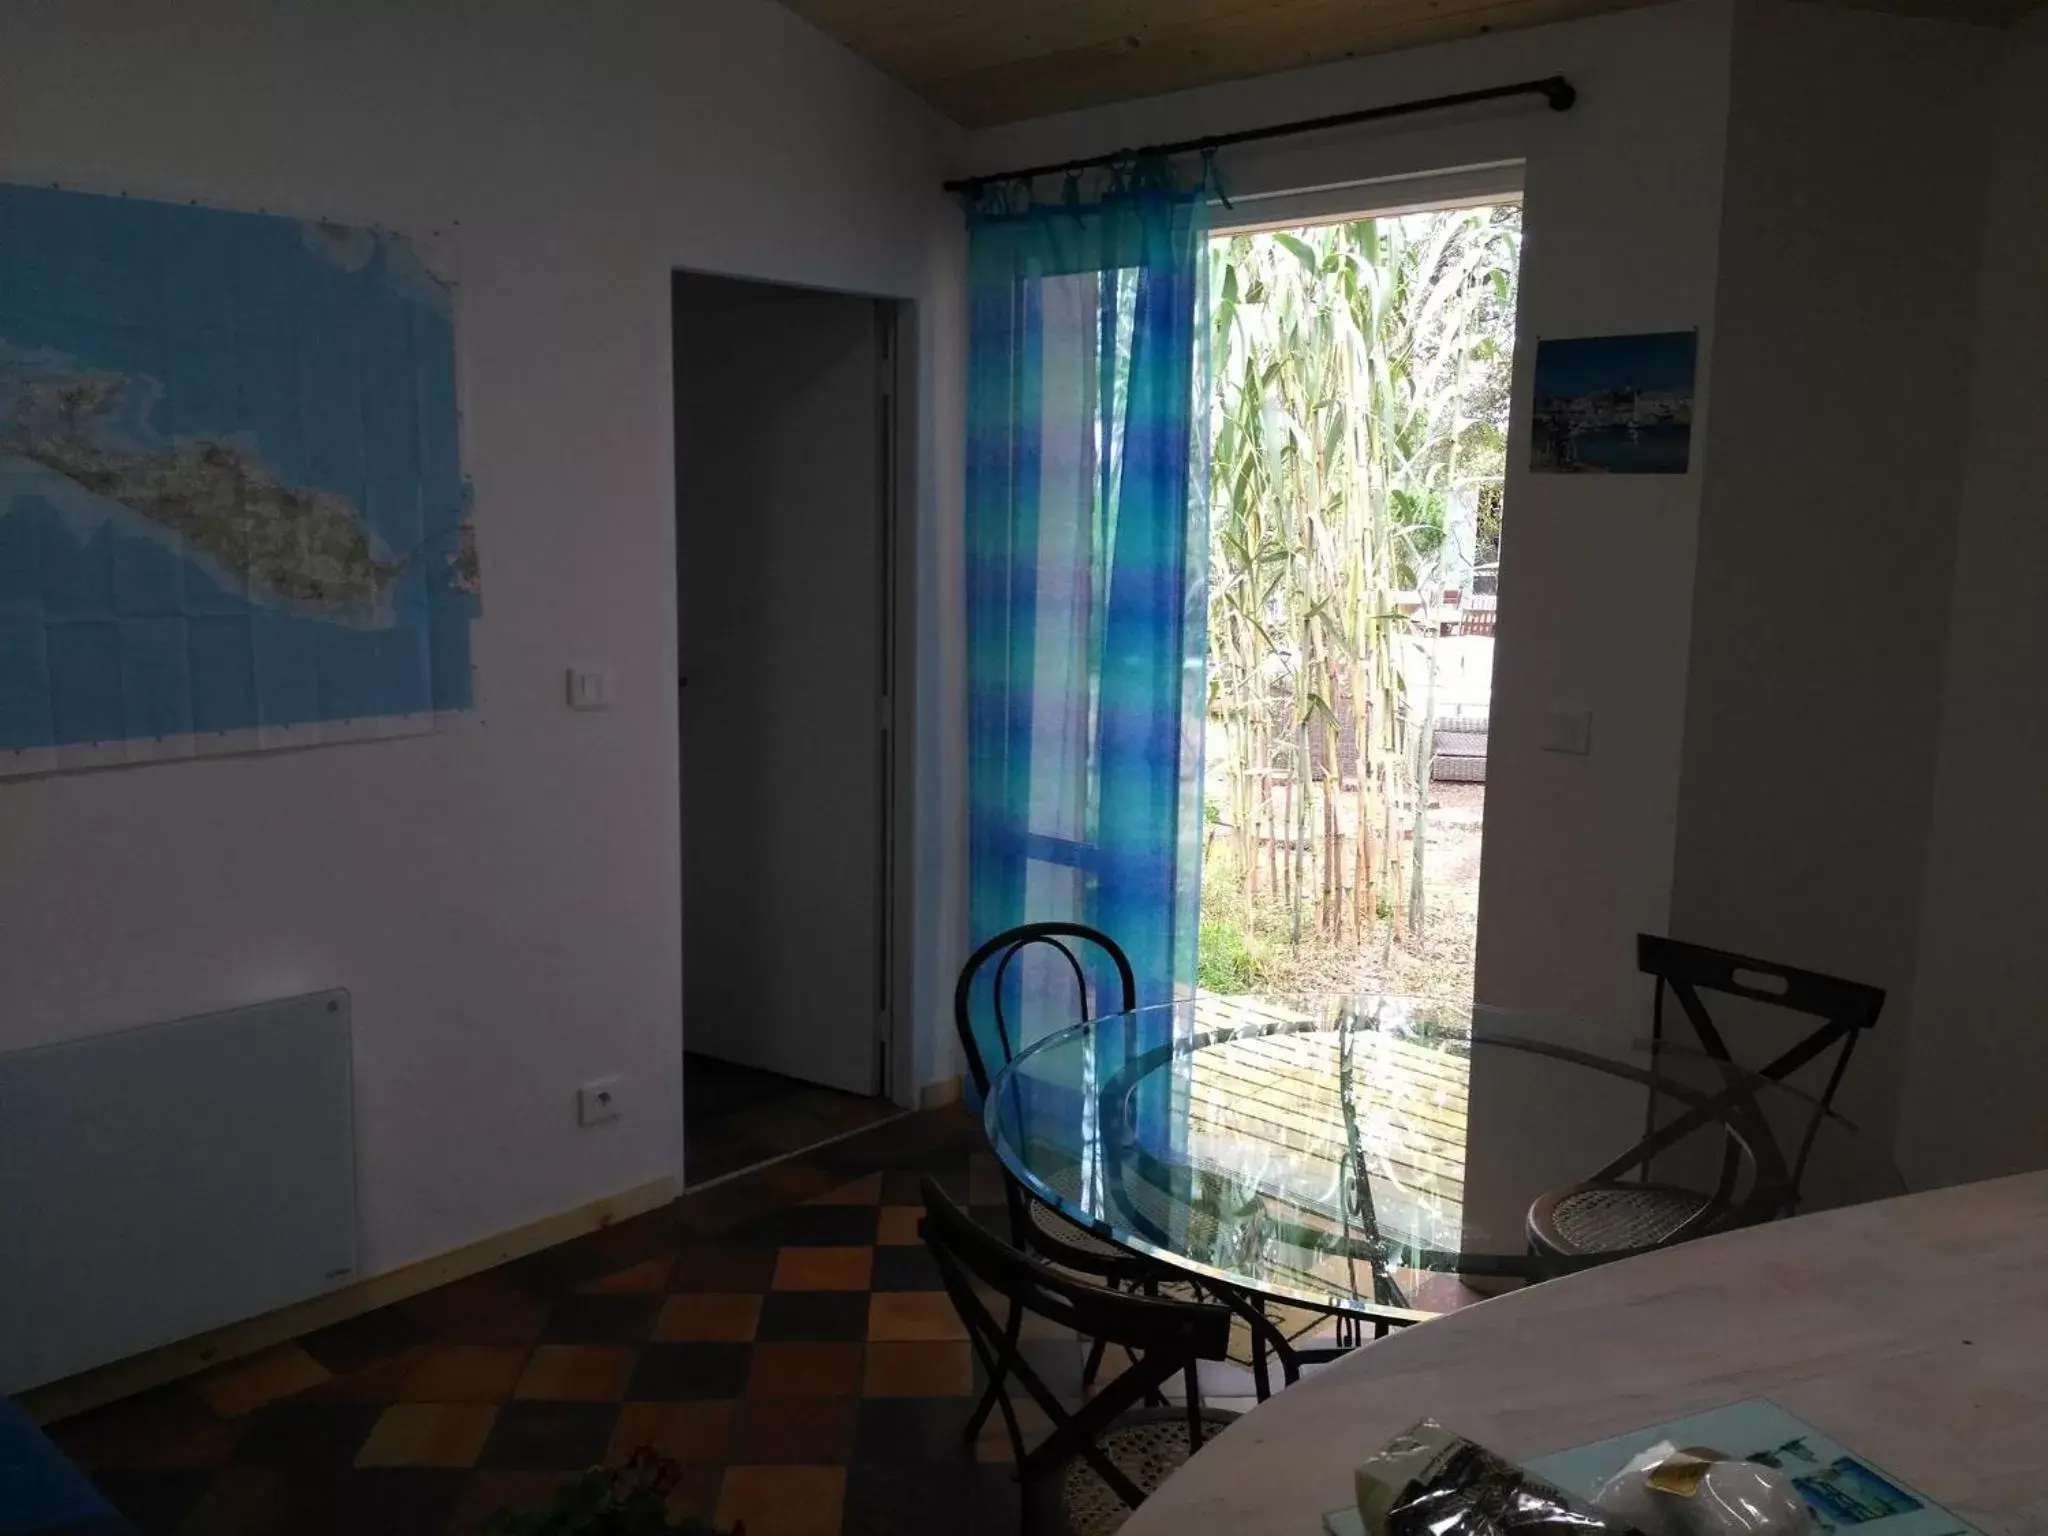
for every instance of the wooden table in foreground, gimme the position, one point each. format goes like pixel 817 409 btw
pixel 1914 1331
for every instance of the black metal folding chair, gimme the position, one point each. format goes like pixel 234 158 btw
pixel 1101 1458
pixel 1609 1215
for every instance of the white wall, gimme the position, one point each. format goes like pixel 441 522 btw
pixel 1976 1077
pixel 501 899
pixel 1848 271
pixel 1621 217
pixel 939 830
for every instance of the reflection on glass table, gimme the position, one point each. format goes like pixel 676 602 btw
pixel 1336 1153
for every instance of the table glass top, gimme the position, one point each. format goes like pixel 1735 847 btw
pixel 1358 1153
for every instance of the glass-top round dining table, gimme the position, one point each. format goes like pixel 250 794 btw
pixel 1368 1156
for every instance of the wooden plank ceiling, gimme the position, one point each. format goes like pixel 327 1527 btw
pixel 996 61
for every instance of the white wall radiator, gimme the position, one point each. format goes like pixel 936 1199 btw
pixel 159 1182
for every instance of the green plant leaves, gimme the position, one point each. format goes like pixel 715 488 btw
pixel 1360 385
pixel 1298 248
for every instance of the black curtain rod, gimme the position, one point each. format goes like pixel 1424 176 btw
pixel 1554 89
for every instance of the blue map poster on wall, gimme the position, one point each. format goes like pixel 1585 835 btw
pixel 232 512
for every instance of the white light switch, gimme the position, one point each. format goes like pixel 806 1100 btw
pixel 1568 730
pixel 590 687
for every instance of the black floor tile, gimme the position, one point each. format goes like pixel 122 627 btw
pixel 963 1500
pixel 996 1219
pixel 795 1316
pixel 902 1267
pixel 392 1501
pixel 142 1431
pixel 721 1265
pixel 905 1186
pixel 824 1226
pixel 914 1431
pixel 157 1502
pixel 601 1319
pixel 553 1271
pixel 678 1372
pixel 715 1154
pixel 636 1239
pixel 306 1436
pixel 794 1431
pixel 1058 1363
pixel 360 1341
pixel 550 1436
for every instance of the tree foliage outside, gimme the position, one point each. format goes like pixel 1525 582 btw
pixel 1361 375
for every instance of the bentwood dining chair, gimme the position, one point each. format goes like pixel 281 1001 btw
pixel 1102 1458
pixel 1608 1214
pixel 986 986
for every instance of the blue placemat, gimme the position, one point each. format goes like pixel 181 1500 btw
pixel 42 1494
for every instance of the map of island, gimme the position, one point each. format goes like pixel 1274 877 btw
pixel 306 548
pixel 232 514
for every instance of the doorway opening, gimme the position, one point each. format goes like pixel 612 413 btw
pixel 786 455
pixel 1359 415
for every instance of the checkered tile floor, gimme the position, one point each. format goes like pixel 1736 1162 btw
pixel 783 1335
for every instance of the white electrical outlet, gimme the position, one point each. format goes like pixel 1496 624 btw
pixel 597 1101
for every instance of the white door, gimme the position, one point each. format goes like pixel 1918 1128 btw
pixel 780 504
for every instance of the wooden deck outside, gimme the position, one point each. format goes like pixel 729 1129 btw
pixel 1282 1092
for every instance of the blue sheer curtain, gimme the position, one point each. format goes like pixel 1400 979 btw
pixel 1087 541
